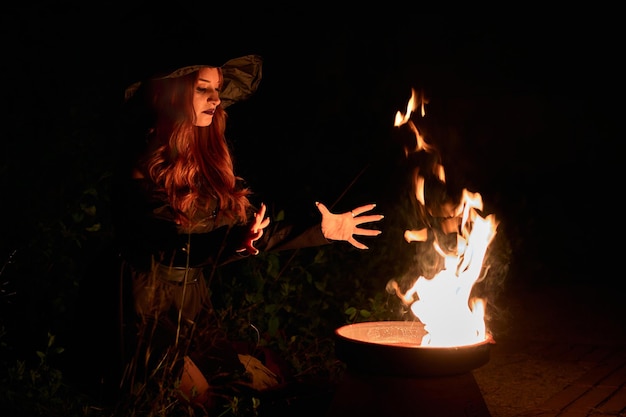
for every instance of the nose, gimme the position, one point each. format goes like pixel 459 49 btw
pixel 214 97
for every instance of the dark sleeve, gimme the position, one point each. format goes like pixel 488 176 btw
pixel 281 236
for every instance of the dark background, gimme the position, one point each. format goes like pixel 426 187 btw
pixel 523 106
pixel 523 109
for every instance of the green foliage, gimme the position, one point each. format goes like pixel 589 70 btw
pixel 290 303
pixel 278 301
pixel 36 388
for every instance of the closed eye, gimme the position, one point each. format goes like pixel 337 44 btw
pixel 204 90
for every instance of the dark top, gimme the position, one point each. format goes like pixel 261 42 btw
pixel 146 229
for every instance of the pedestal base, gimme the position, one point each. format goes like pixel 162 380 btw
pixel 377 395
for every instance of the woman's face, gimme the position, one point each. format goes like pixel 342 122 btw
pixel 206 95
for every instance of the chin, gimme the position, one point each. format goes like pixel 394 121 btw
pixel 204 121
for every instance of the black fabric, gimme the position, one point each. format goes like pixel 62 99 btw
pixel 146 231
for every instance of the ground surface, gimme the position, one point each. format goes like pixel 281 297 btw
pixel 561 352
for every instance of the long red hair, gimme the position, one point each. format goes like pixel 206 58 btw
pixel 192 164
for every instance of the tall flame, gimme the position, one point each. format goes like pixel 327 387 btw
pixel 443 303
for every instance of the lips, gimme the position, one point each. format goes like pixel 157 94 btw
pixel 209 112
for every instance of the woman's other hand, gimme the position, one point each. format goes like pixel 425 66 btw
pixel 345 226
pixel 255 232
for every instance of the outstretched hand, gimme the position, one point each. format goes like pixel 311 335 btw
pixel 255 232
pixel 344 226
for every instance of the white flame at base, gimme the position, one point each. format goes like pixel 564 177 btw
pixel 443 304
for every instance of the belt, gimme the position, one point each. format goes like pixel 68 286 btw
pixel 180 275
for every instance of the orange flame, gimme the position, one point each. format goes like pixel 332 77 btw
pixel 443 302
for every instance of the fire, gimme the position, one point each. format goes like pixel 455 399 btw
pixel 443 303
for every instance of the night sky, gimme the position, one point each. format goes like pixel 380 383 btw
pixel 522 109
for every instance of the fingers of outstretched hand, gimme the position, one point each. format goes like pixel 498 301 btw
pixel 260 221
pixel 261 212
pixel 248 249
pixel 358 220
pixel 253 238
pixel 356 243
pixel 368 219
pixel 254 235
pixel 366 232
pixel 322 208
pixel 251 249
pixel 261 224
pixel 354 213
pixel 363 209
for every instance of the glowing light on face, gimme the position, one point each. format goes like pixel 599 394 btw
pixel 206 95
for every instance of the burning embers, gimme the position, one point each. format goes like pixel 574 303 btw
pixel 444 303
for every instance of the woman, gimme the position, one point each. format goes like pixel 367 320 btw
pixel 183 210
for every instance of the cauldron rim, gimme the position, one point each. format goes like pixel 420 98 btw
pixel 402 360
pixel 339 332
